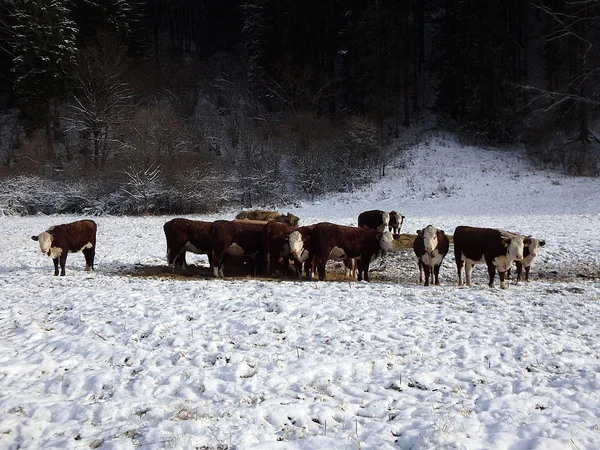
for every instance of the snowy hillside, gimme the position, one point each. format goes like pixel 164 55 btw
pixel 115 360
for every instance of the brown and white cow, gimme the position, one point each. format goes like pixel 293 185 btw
pixel 395 223
pixel 431 246
pixel 237 238
pixel 374 219
pixel 338 242
pixel 276 241
pixel 184 235
pixel 301 250
pixel 60 240
pixel 495 248
pixel 530 252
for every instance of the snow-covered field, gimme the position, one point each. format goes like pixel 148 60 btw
pixel 115 361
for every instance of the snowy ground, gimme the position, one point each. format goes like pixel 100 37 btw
pixel 118 361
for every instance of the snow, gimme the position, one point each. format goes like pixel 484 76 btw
pixel 115 361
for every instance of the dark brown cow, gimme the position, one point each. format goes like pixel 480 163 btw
pixel 60 240
pixel 301 250
pixel 237 238
pixel 374 219
pixel 495 248
pixel 396 220
pixel 338 242
pixel 187 235
pixel 276 241
pixel 530 252
pixel 258 214
pixel 431 246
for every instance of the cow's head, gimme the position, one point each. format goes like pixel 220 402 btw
pixel 430 238
pixel 45 241
pixel 514 244
pixel 534 245
pixel 386 240
pixel 297 241
pixel 396 220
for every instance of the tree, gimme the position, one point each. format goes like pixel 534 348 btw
pixel 571 91
pixel 101 100
pixel 45 53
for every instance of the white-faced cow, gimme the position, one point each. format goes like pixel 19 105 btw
pixel 530 251
pixel 60 240
pixel 338 242
pixel 374 219
pixel 276 242
pixel 495 248
pixel 395 224
pixel 187 235
pixel 431 246
pixel 237 238
pixel 301 250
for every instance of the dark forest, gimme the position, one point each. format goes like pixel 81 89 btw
pixel 181 106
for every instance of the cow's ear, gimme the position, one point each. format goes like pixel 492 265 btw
pixel 378 235
pixel 396 237
pixel 419 232
pixel 527 241
pixel 35 238
pixel 506 242
pixel 542 243
pixel 442 232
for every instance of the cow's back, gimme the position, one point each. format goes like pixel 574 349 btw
pixel 475 243
pixel 75 235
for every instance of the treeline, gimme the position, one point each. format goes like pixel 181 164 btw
pixel 182 105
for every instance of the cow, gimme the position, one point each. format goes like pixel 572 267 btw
pixel 60 240
pixel 530 252
pixel 495 248
pixel 258 214
pixel 301 250
pixel 187 235
pixel 276 242
pixel 395 223
pixel 374 219
pixel 237 238
pixel 431 246
pixel 338 242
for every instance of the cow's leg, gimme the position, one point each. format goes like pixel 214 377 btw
pixel 468 272
pixel 89 254
pixel 527 273
pixel 271 263
pixel 55 261
pixel 519 270
pixel 321 262
pixel 63 262
pixel 492 273
pixel 217 258
pixel 363 268
pixel 286 265
pixel 420 271
pixel 436 272
pixel 427 273
pixel 503 282
pixel 459 266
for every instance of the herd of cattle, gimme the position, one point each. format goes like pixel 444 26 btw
pixel 271 244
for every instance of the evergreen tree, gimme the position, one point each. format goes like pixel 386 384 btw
pixel 44 55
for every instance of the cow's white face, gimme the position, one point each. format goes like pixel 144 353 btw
pixel 45 241
pixel 296 244
pixel 535 245
pixel 514 244
pixel 386 241
pixel 430 238
pixel 385 219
